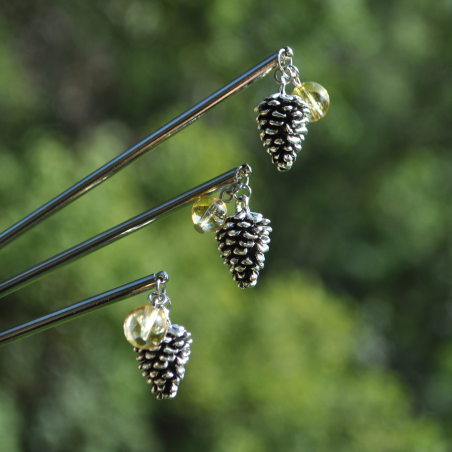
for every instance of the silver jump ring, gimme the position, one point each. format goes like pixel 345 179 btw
pixel 162 300
pixel 232 191
pixel 229 192
pixel 288 75
pixel 284 57
pixel 294 72
pixel 160 286
pixel 248 188
pixel 241 182
pixel 240 175
pixel 284 78
pixel 159 299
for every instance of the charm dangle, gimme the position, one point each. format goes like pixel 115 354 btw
pixel 243 236
pixel 163 349
pixel 244 239
pixel 283 118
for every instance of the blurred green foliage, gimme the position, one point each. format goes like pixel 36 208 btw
pixel 345 344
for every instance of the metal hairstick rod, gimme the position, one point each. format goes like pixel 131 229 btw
pixel 81 308
pixel 138 150
pixel 120 231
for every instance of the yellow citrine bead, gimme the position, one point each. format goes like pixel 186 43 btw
pixel 209 214
pixel 317 98
pixel 146 326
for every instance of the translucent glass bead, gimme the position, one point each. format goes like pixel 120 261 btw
pixel 209 214
pixel 145 327
pixel 316 96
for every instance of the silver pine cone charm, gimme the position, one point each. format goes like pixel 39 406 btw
pixel 164 367
pixel 244 239
pixel 282 120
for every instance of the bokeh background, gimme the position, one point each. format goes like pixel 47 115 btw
pixel 346 342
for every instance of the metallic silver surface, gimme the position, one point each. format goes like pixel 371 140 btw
pixel 164 367
pixel 158 298
pixel 284 138
pixel 138 150
pixel 241 182
pixel 120 231
pixel 244 256
pixel 286 72
pixel 81 308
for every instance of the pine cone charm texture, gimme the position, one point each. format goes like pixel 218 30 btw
pixel 244 239
pixel 282 119
pixel 164 368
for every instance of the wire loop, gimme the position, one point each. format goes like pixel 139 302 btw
pixel 158 298
pixel 236 187
pixel 287 72
pixel 242 202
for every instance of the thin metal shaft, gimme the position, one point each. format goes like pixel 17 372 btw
pixel 118 232
pixel 138 150
pixel 81 308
